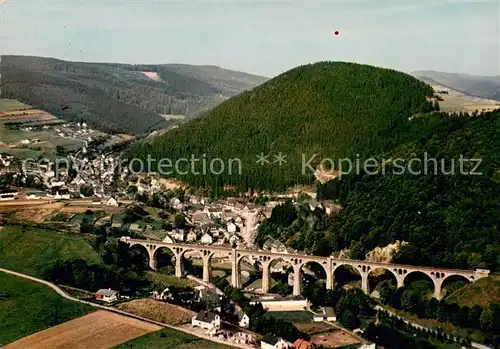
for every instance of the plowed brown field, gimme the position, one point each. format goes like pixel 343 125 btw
pixel 100 329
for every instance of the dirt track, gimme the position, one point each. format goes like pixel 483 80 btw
pixel 101 329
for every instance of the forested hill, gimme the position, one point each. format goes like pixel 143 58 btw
pixel 450 218
pixel 119 98
pixel 333 109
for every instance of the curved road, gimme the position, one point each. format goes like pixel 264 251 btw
pixel 67 296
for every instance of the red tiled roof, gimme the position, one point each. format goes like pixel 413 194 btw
pixel 301 344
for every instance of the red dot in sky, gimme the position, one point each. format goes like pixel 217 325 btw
pixel 336 32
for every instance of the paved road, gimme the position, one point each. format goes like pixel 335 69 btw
pixel 67 296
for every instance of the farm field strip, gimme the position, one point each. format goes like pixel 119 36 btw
pixel 100 329
pixel 158 311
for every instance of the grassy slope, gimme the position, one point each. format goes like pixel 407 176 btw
pixel 168 338
pixel 31 307
pixel 7 105
pixel 165 280
pixel 114 97
pixel 483 292
pixel 32 251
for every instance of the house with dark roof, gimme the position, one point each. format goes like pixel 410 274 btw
pixel 207 320
pixel 243 319
pixel 271 342
pixel 274 245
pixel 210 297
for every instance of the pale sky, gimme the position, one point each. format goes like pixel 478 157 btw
pixel 260 37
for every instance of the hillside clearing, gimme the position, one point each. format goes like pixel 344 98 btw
pixel 7 105
pixel 165 280
pixel 100 329
pixel 483 292
pixel 31 251
pixel 29 307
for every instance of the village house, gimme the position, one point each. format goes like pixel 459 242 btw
pixel 207 320
pixel 106 295
pixel 243 318
pixel 274 246
pixel 191 236
pixel 231 228
pixel 210 296
pixel 279 266
pixel 207 239
pixel 214 231
pixel 301 344
pixel 179 235
pixel 168 239
pixel 318 316
pixel 8 195
pixel 329 313
pixel 325 314
pixel 199 218
pixel 135 228
pixel 313 204
pixel 116 225
pixel 234 240
pixel 62 194
pixel 35 195
pixel 112 202
pixel 271 342
pixel 242 338
pixel 368 346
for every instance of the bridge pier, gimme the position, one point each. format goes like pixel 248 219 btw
pixel 207 268
pixel 265 278
pixel 297 281
pixel 438 283
pixel 152 262
pixel 329 274
pixel 400 281
pixel 235 275
pixel 178 265
pixel 364 283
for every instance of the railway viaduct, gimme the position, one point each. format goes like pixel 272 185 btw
pixel 297 261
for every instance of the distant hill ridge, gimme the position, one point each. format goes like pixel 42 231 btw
pixel 474 85
pixel 119 98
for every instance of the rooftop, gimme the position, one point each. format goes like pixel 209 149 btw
pixel 206 316
pixel 106 292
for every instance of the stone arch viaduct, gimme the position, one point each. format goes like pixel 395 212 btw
pixel 297 261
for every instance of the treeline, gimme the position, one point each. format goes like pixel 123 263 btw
pixel 485 319
pixel 120 267
pixel 115 98
pixel 332 109
pixel 393 333
pixel 457 215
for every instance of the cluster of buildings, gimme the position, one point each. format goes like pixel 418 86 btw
pixel 225 222
pixel 5 161
pixel 77 132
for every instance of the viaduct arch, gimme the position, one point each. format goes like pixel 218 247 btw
pixel 297 261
